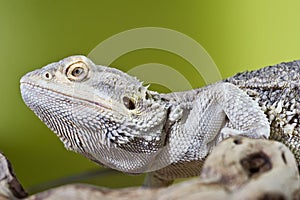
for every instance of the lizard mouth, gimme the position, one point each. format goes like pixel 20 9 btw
pixel 28 86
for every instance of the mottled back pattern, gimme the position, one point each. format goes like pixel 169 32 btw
pixel 277 90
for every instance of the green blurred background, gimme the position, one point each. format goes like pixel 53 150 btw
pixel 238 35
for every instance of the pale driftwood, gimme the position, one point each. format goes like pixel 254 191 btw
pixel 9 185
pixel 238 168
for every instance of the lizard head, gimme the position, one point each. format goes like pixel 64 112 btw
pixel 100 112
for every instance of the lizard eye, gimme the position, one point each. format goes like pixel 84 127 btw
pixel 129 103
pixel 77 71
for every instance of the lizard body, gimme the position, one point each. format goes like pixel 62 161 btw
pixel 111 118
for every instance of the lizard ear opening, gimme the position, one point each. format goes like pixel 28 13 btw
pixel 129 103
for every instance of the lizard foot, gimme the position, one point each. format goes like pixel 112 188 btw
pixel 261 133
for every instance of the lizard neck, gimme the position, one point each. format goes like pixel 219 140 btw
pixel 182 136
pixel 182 126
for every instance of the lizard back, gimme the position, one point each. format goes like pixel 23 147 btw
pixel 276 89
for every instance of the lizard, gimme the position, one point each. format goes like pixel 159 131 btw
pixel 114 120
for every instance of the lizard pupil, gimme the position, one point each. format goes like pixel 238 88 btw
pixel 77 71
pixel 129 104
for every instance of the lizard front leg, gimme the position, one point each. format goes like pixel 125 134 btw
pixel 245 117
pixel 219 111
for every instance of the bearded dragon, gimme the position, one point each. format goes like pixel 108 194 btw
pixel 111 118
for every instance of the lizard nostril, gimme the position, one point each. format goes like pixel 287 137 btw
pixel 47 75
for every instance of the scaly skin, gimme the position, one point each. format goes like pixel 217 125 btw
pixel 111 118
pixel 277 90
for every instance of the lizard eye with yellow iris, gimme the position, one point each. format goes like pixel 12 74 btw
pixel 77 71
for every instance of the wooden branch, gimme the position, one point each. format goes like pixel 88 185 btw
pixel 9 184
pixel 238 168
